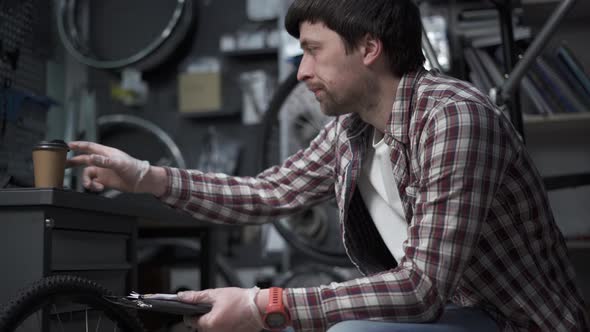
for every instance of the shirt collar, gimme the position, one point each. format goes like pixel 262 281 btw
pixel 399 120
pixel 398 124
pixel 353 124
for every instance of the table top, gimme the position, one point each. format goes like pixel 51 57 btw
pixel 143 206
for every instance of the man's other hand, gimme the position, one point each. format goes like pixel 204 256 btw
pixel 234 309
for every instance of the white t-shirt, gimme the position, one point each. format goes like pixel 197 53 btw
pixel 380 194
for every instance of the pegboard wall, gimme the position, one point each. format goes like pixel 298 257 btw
pixel 24 29
pixel 21 61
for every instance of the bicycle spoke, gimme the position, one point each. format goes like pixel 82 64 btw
pixel 98 323
pixel 315 121
pixel 38 319
pixel 305 120
pixel 58 318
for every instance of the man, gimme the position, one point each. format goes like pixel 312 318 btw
pixel 441 206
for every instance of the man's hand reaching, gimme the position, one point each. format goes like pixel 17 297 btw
pixel 112 168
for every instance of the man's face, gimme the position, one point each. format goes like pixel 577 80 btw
pixel 338 80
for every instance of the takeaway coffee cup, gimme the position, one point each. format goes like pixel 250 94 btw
pixel 49 161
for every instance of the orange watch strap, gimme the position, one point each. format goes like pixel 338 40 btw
pixel 275 300
pixel 276 306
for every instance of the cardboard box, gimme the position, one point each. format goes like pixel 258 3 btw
pixel 199 92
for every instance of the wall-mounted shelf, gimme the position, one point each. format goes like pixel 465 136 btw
pixel 566 181
pixel 535 2
pixel 256 52
pixel 563 123
pixel 580 10
pixel 209 114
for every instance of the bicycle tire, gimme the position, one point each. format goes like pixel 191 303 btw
pixel 308 276
pixel 129 124
pixel 183 20
pixel 269 157
pixel 72 289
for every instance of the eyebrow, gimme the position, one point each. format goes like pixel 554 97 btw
pixel 306 43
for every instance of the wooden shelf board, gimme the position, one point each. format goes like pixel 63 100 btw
pixel 557 123
pixel 266 51
pixel 556 118
pixel 209 114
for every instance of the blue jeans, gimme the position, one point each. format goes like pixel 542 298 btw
pixel 454 319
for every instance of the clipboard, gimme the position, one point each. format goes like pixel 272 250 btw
pixel 163 306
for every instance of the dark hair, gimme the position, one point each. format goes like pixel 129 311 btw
pixel 396 23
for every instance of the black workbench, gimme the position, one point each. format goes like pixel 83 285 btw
pixel 53 231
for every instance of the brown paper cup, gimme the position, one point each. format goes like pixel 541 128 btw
pixel 49 161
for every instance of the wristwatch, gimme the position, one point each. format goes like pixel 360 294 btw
pixel 276 317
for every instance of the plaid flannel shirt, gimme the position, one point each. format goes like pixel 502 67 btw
pixel 480 229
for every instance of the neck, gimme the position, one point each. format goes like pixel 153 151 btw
pixel 379 112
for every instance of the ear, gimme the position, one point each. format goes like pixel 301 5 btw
pixel 372 49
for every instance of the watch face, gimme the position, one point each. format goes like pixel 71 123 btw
pixel 275 319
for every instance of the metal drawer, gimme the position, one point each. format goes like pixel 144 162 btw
pixel 79 250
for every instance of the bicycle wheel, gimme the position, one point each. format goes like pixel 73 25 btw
pixel 309 275
pixel 292 120
pixel 65 303
pixel 128 132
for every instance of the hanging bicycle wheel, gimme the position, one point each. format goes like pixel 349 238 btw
pixel 310 275
pixel 131 134
pixel 292 120
pixel 120 34
pixel 65 303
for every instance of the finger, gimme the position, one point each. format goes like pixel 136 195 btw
pixel 96 186
pixel 88 176
pixel 98 160
pixel 81 160
pixel 115 163
pixel 204 323
pixel 93 160
pixel 90 147
pixel 195 297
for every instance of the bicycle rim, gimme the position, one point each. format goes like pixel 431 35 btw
pixel 65 303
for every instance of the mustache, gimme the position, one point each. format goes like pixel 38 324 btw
pixel 314 87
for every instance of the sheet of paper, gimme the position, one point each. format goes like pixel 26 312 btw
pixel 157 296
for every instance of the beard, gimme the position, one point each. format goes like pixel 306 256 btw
pixel 356 98
pixel 333 106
